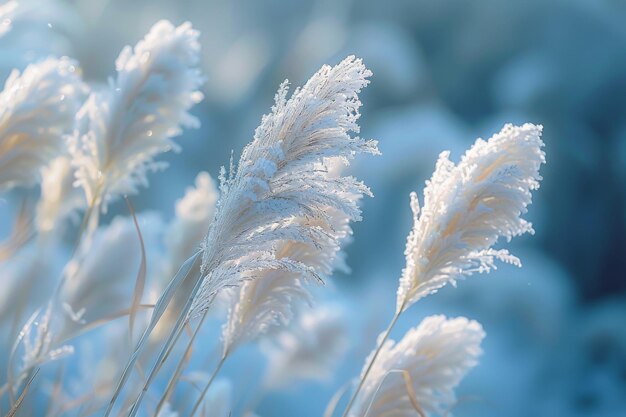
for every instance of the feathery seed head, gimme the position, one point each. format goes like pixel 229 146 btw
pixel 37 108
pixel 122 128
pixel 418 374
pixel 59 198
pixel 467 208
pixel 194 213
pixel 7 11
pixel 283 192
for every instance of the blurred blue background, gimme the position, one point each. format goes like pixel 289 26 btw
pixel 445 72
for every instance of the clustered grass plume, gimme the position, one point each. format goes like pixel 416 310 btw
pixel 121 128
pixel 37 108
pixel 60 199
pixel 133 301
pixel 276 214
pixel 194 213
pixel 467 208
pixel 7 10
pixel 418 374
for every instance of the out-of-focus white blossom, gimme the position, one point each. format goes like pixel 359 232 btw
pixel 102 279
pixel 194 213
pixel 283 190
pixel 431 359
pixel 467 208
pixel 37 108
pixel 7 11
pixel 123 127
pixel 59 199
pixel 310 349
pixel 218 401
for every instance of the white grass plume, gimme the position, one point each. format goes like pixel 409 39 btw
pixel 467 208
pixel 122 128
pixel 308 350
pixel 7 11
pixel 418 375
pixel 37 108
pixel 194 213
pixel 283 188
pixel 271 300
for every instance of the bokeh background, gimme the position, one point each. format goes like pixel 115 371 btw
pixel 445 73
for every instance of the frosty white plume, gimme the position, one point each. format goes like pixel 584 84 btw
pixel 37 108
pixel 269 301
pixel 59 198
pixel 7 12
pixel 194 213
pixel 283 189
pixel 308 350
pixel 467 208
pixel 121 129
pixel 417 375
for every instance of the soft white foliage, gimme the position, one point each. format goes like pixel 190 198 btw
pixel 467 208
pixel 270 300
pixel 102 275
pixel 432 358
pixel 28 268
pixel 310 349
pixel 194 213
pixel 37 108
pixel 262 304
pixel 7 11
pixel 283 190
pixel 122 128
pixel 59 199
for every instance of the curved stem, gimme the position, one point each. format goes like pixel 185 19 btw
pixel 372 360
pixel 208 384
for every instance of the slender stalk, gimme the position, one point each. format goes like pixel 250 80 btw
pixel 164 300
pixel 179 369
pixel 206 387
pixel 165 352
pixel 382 341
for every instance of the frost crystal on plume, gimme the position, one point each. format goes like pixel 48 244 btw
pixel 121 129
